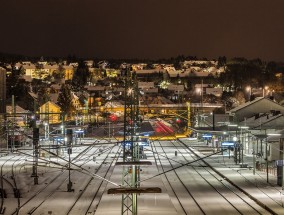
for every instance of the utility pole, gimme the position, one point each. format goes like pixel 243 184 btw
pixel 13 124
pixel 35 145
pixel 202 96
pixel 36 152
pixel 69 135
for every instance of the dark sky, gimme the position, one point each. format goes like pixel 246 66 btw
pixel 143 28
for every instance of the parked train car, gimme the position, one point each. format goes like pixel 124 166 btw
pixel 15 139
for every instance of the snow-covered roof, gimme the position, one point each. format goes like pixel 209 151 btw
pixel 265 121
pixel 242 106
pixel 149 71
pixel 68 67
pixel 29 66
pixel 95 88
pixel 27 78
pixel 47 66
pixel 19 109
pixel 53 97
pixel 111 104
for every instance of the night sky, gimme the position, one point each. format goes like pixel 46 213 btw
pixel 143 28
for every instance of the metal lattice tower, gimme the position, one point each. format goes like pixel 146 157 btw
pixel 131 158
pixel 130 143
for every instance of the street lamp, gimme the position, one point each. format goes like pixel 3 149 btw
pixel 248 89
pixel 263 90
pixel 199 91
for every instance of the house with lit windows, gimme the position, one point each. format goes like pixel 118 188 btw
pixel 69 71
pixel 50 112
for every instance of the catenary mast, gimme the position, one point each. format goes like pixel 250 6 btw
pixel 131 158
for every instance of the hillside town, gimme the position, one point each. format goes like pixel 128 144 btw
pixel 88 92
pixel 90 83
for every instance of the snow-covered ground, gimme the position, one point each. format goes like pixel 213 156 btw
pixel 90 196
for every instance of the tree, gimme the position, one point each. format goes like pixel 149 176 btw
pixel 229 101
pixel 43 95
pixel 39 71
pixel 222 61
pixel 59 73
pixel 80 77
pixel 65 99
pixel 15 84
pixel 240 97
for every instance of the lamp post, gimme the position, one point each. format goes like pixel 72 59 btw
pixel 198 91
pixel 248 89
pixel 263 90
pixel 242 141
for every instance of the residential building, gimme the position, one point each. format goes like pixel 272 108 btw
pixel 69 71
pixel 21 117
pixel 50 113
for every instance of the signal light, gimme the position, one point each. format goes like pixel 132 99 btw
pixel 113 117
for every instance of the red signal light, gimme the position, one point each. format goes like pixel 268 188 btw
pixel 113 117
pixel 178 120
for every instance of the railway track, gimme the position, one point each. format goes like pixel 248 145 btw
pixel 81 205
pixel 3 192
pixel 37 206
pixel 260 186
pixel 231 199
pixel 39 196
pixel 5 179
pixel 182 205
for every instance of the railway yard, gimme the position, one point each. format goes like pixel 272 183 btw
pixel 194 178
